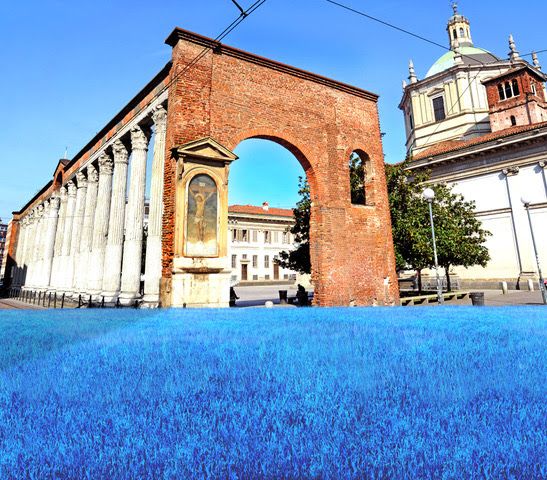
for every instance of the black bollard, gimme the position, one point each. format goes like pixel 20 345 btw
pixel 63 301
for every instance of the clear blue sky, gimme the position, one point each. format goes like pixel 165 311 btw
pixel 68 67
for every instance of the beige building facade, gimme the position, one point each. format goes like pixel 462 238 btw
pixel 257 235
pixel 479 122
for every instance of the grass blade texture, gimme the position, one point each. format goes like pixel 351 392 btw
pixel 281 393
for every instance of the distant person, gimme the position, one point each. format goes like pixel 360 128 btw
pixel 302 296
pixel 233 297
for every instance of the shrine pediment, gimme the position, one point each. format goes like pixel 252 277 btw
pixel 206 149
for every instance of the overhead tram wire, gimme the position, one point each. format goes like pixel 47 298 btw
pixel 229 29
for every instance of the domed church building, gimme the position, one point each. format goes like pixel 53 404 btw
pixel 479 121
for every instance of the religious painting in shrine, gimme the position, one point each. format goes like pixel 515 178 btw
pixel 202 217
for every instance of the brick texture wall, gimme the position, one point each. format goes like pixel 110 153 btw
pixel 232 96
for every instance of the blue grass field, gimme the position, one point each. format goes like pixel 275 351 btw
pixel 282 393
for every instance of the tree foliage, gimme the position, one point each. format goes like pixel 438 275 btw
pixel 459 235
pixel 299 258
pixel 357 179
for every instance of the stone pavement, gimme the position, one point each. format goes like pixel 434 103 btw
pixel 12 304
pixel 258 295
pixel 495 298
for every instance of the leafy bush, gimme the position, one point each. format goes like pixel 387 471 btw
pixel 281 393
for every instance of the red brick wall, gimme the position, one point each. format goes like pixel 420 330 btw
pixel 232 99
pixel 527 108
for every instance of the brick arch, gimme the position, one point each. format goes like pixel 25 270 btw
pixel 286 141
pixel 230 95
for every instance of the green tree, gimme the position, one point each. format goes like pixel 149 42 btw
pixel 299 258
pixel 460 237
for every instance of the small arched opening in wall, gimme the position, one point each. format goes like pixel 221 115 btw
pixel 360 178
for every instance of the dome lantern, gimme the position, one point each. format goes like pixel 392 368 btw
pixel 459 30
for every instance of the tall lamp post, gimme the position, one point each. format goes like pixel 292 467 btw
pixel 428 194
pixel 526 202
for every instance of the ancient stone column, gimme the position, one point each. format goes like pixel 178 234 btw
pixel 20 255
pixel 35 249
pixel 29 244
pixel 114 247
pixel 49 240
pixel 40 280
pixel 55 281
pixel 84 251
pixel 152 271
pixel 64 269
pixel 132 249
pixel 76 231
pixel 100 227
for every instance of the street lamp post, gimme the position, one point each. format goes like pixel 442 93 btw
pixel 428 194
pixel 526 202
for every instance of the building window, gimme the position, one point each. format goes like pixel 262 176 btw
pixel 266 261
pixel 513 120
pixel 255 236
pixel 454 34
pixel 516 91
pixel 255 261
pixel 234 234
pixel 534 91
pixel 438 109
pixel 275 237
pixel 244 256
pixel 255 277
pixel 267 236
pixel 501 91
pixel 266 277
pixel 234 261
pixel 462 33
pixel 244 235
pixel 410 120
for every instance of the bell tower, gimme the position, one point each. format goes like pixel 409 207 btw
pixel 459 30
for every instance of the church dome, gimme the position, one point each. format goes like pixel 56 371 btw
pixel 470 56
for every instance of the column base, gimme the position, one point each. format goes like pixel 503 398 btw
pixel 110 298
pixel 128 299
pixel 150 301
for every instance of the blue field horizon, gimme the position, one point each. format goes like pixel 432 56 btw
pixel 446 392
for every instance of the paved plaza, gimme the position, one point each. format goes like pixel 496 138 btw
pixel 257 296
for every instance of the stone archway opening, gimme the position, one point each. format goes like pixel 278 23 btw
pixel 266 183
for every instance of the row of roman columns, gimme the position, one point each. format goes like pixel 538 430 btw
pixel 87 239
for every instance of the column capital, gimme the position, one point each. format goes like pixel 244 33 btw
pixel 81 179
pixel 71 187
pixel 55 202
pixel 105 164
pixel 120 152
pixel 92 175
pixel 63 193
pixel 159 115
pixel 139 140
pixel 543 164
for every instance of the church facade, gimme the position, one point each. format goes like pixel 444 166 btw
pixel 479 122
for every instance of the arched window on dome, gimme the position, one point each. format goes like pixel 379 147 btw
pixel 462 33
pixel 508 91
pixel 516 91
pixel 501 92
pixel 454 34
